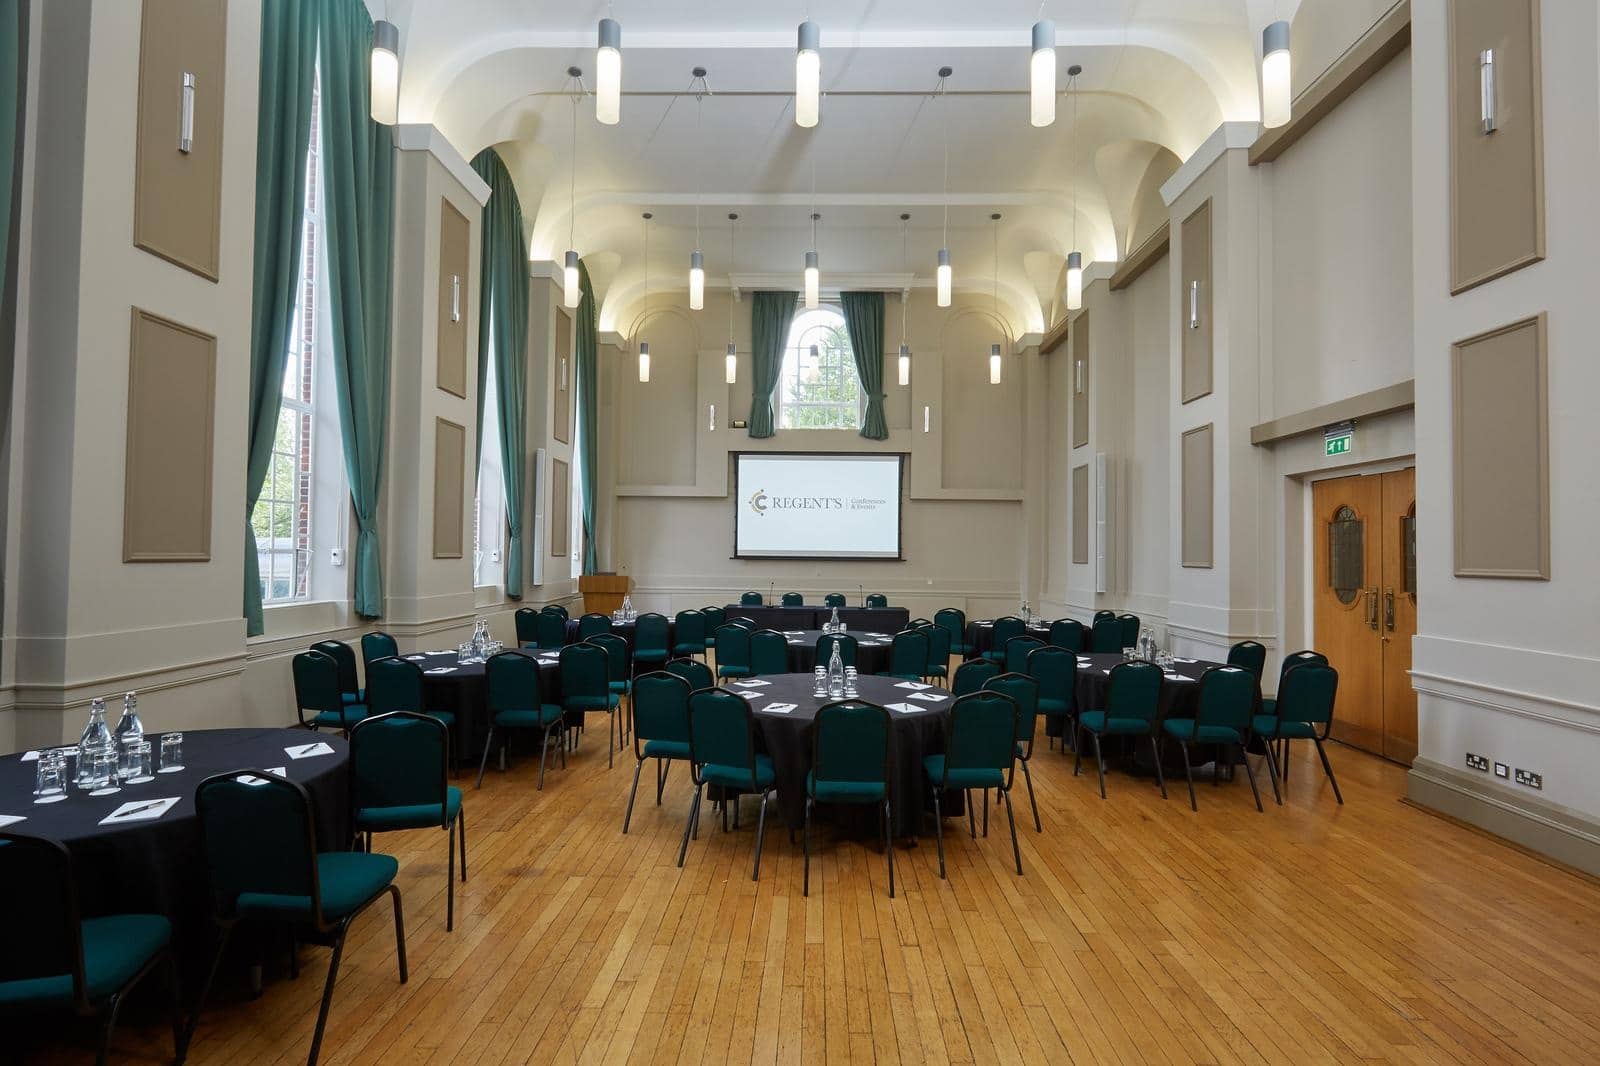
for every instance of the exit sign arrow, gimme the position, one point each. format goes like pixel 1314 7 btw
pixel 1336 440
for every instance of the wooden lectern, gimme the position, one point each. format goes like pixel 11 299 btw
pixel 603 593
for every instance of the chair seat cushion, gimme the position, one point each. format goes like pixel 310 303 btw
pixel 1186 729
pixel 412 816
pixel 733 670
pixel 621 687
pixel 447 717
pixel 960 648
pixel 1053 708
pixel 536 717
pixel 348 880
pixel 608 702
pixel 938 670
pixel 995 656
pixel 844 791
pixel 353 712
pixel 1272 728
pixel 693 648
pixel 739 776
pixel 358 696
pixel 1096 722
pixel 666 749
pixel 115 949
pixel 968 777
pixel 650 655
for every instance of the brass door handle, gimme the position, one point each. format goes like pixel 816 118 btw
pixel 1372 607
pixel 1388 609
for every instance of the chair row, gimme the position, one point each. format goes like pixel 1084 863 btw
pixel 795 599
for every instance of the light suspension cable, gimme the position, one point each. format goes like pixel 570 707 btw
pixel 730 373
pixel 572 295
pixel 697 266
pixel 905 350
pixel 994 349
pixel 608 71
pixel 942 274
pixel 813 274
pixel 1074 257
pixel 644 345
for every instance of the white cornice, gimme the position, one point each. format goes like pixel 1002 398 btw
pixel 1226 136
pixel 611 338
pixel 421 137
pixel 833 282
pixel 546 268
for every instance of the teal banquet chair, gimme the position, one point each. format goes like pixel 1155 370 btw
pixel 349 685
pixel 586 686
pixel 377 646
pixel 1132 707
pixel 515 691
pixel 1017 651
pixel 1098 615
pixel 908 655
pixel 551 630
pixel 317 698
pixel 396 685
pixel 697 673
pixel 689 633
pixel 1106 637
pixel 877 599
pixel 1004 629
pixel 848 647
pixel 652 640
pixel 1227 695
pixel 954 622
pixel 555 609
pixel 1024 692
pixel 660 729
pixel 1056 671
pixel 56 959
pixel 619 666
pixel 938 652
pixel 979 753
pixel 714 617
pixel 526 620
pixel 722 752
pixel 400 779
pixel 793 599
pixel 1250 654
pixel 260 849
pixel 750 599
pixel 1067 633
pixel 769 653
pixel 1302 711
pixel 851 762
pixel 733 651
pixel 591 624
pixel 1130 629
pixel 971 675
pixel 835 599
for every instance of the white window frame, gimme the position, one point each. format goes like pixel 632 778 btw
pixel 792 348
pixel 489 501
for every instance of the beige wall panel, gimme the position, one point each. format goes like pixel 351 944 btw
pixel 1080 513
pixel 982 441
pixel 1195 303
pixel 560 509
pixel 660 416
pixel 177 212
pixel 455 246
pixel 561 398
pixel 1196 457
pixel 1496 179
pixel 449 474
pixel 171 403
pixel 1080 383
pixel 1324 30
pixel 1501 452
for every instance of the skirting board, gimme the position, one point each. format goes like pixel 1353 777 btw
pixel 1558 832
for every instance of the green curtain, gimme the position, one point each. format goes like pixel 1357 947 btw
pixel 770 315
pixel 503 300
pixel 588 433
pixel 358 191
pixel 11 49
pixel 283 132
pixel 863 318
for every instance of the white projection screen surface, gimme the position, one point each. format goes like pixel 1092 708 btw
pixel 817 506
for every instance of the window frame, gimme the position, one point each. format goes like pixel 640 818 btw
pixel 783 408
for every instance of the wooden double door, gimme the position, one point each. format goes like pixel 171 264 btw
pixel 1365 606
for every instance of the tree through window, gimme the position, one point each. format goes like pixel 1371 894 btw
pixel 818 388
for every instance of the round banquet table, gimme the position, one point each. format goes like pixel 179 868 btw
pixel 872 650
pixel 157 867
pixel 786 737
pixel 980 635
pixel 463 689
pixel 1179 698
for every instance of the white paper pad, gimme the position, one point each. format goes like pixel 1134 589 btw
pixel 753 683
pixel 251 779
pixel 1178 660
pixel 794 632
pixel 307 751
pixel 1177 677
pixel 140 811
pixel 930 697
pixel 415 658
pixel 907 708
pixel 749 695
pixel 778 708
pixel 441 670
pixel 11 819
pixel 30 756
pixel 914 686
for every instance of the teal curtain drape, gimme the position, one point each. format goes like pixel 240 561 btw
pixel 770 315
pixel 503 300
pixel 358 192
pixel 11 48
pixel 588 348
pixel 863 318
pixel 283 133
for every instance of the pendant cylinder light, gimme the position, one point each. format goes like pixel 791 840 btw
pixel 1275 103
pixel 905 364
pixel 813 281
pixel 385 69
pixel 730 372
pixel 644 361
pixel 697 281
pixel 994 364
pixel 608 73
pixel 1074 280
pixel 644 346
pixel 572 294
pixel 808 74
pixel 943 277
pixel 1042 74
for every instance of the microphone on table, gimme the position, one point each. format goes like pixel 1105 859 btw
pixel 862 590
pixel 772 590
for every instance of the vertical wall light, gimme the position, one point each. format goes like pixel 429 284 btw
pixel 572 295
pixel 608 73
pixel 808 74
pixel 905 297
pixel 730 369
pixel 697 266
pixel 1074 292
pixel 644 346
pixel 1275 103
pixel 1042 74
pixel 385 72
pixel 942 274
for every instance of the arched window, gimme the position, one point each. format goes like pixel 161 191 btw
pixel 818 388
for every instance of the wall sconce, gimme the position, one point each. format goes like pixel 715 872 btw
pixel 711 420
pixel 186 114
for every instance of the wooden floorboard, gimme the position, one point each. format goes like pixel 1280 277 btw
pixel 1141 932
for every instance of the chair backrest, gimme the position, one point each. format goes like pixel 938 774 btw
pixel 1227 698
pixel 1307 694
pixel 341 653
pixel 1006 628
pixel 1067 633
pixel 590 624
pixel 550 630
pixel 769 652
pixel 743 623
pixel 1130 629
pixel 1056 670
pixel 257 837
pixel 952 619
pixel 733 645
pixel 400 759
pixel 1106 637
pixel 877 599
pixel 377 646
pixel 619 660
pixel 938 646
pixel 971 675
pixel 847 648
pixel 661 707
pixel 585 677
pixel 316 686
pixel 750 599
pixel 689 627
pixel 526 620
pixel 983 733
pixel 1104 614
pixel 1017 651
pixel 834 599
pixel 917 623
pixel 715 617
pixel 514 682
pixel 1024 692
pixel 697 673
pixel 909 653
pixel 651 633
pixel 1250 654
pixel 793 599
pixel 722 731
pixel 1135 691
pixel 850 742
pixel 1299 658
pixel 393 685
pixel 556 609
pixel 38 889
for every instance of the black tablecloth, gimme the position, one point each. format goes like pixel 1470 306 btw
pixel 787 739
pixel 625 630
pixel 463 689
pixel 158 867
pixel 812 616
pixel 1177 699
pixel 872 651
pixel 980 635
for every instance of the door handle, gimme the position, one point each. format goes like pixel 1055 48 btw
pixel 1388 609
pixel 1372 607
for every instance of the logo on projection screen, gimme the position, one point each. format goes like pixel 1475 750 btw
pixel 761 503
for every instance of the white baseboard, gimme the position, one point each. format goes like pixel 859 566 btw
pixel 1565 835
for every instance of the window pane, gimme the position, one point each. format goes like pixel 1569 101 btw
pixel 818 388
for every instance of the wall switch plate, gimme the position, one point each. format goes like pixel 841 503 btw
pixel 1529 778
pixel 336 556
pixel 1476 762
pixel 1502 770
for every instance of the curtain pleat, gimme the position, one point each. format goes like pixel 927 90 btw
pixel 863 318
pixel 588 349
pixel 770 315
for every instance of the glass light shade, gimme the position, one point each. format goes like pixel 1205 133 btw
pixel 1275 102
pixel 942 277
pixel 608 73
pixel 1042 75
pixel 994 364
pixel 697 282
pixel 1074 280
pixel 644 361
pixel 813 281
pixel 731 365
pixel 808 75
pixel 905 365
pixel 385 87
pixel 572 294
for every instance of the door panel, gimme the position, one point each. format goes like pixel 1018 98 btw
pixel 1399 614
pixel 1347 604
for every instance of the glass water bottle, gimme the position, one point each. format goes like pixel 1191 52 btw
pixel 96 739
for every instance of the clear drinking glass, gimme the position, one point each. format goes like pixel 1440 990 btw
pixel 171 752
pixel 51 776
pixel 103 772
pixel 136 761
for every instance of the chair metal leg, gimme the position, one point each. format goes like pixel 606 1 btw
pixel 611 749
pixel 113 1006
pixel 688 825
pixel 544 755
pixel 399 933
pixel 1156 751
pixel 327 993
pixel 1327 768
pixel 938 827
pixel 888 841
pixel 484 762
pixel 1283 762
pixel 205 989
pixel 972 820
pixel 985 814
pixel 805 850
pixel 180 1049
pixel 1077 750
pixel 1028 778
pixel 461 837
pixel 450 879
pixel 1016 849
pixel 1099 762
pixel 1188 773
pixel 1272 770
pixel 761 832
pixel 634 791
pixel 1251 774
pixel 663 767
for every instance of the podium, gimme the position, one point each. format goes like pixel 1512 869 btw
pixel 603 593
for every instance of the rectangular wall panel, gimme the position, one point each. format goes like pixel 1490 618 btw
pixel 166 514
pixel 1197 492
pixel 177 193
pixel 1080 513
pixel 561 405
pixel 560 509
pixel 455 247
pixel 1194 303
pixel 1080 380
pixel 1501 452
pixel 1496 178
pixel 449 501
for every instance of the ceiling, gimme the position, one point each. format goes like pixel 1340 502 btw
pixel 1158 77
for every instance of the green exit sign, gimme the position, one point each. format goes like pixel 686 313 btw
pixel 1336 439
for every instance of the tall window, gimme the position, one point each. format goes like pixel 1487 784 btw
pixel 488 515
pixel 818 388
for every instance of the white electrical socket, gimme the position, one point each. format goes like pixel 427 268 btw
pixel 336 556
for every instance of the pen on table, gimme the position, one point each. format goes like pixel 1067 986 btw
pixel 142 808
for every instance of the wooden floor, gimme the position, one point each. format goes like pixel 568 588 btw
pixel 1141 932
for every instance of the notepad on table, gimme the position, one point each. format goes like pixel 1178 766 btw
pixel 441 670
pixel 914 686
pixel 907 708
pixel 252 779
pixel 930 697
pixel 140 811
pixel 11 819
pixel 754 682
pixel 308 751
pixel 778 708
